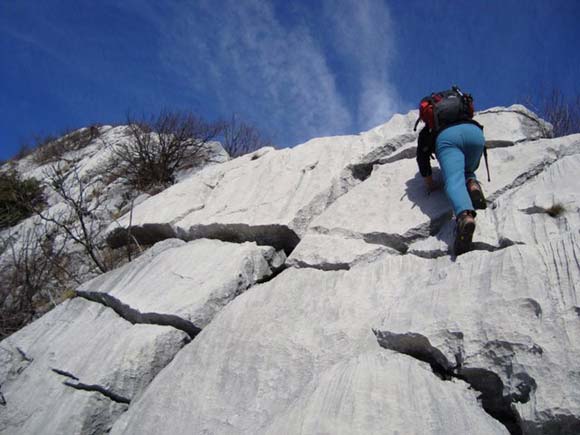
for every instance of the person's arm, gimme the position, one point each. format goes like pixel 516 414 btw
pixel 424 149
pixel 424 152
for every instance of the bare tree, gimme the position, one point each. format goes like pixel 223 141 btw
pixel 560 111
pixel 241 138
pixel 81 218
pixel 160 146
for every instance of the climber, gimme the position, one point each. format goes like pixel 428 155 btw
pixel 458 143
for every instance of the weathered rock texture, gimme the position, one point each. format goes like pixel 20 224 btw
pixel 369 327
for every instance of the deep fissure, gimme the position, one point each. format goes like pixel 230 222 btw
pixel 484 381
pixel 278 236
pixel 136 317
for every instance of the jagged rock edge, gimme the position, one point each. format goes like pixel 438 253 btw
pixel 419 347
pixel 541 123
pixel 351 176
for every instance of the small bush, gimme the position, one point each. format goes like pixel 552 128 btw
pixel 158 147
pixel 555 210
pixel 562 111
pixel 239 138
pixel 17 198
pixel 50 149
pixel 23 151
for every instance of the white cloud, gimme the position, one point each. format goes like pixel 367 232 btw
pixel 254 63
pixel 363 31
pixel 256 66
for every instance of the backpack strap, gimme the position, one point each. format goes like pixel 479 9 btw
pixel 417 123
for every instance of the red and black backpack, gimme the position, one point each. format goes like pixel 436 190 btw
pixel 445 108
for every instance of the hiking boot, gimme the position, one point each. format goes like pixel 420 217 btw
pixel 476 194
pixel 464 232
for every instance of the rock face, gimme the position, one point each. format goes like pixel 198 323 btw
pixel 369 326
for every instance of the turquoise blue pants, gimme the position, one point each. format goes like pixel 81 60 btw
pixel 458 150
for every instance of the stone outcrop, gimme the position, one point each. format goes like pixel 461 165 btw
pixel 369 326
pixel 78 368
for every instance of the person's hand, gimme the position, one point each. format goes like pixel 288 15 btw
pixel 431 185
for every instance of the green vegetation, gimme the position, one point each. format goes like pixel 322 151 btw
pixel 18 198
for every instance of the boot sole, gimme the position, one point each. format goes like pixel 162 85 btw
pixel 478 200
pixel 464 238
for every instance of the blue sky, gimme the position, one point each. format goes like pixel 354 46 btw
pixel 296 69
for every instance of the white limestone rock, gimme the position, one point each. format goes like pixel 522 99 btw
pixel 320 351
pixel 176 284
pixel 516 211
pixel 512 124
pixel 334 252
pixel 382 393
pixel 508 320
pixel 510 315
pixel 524 215
pixel 87 341
pixel 276 189
pixel 392 208
pixel 192 281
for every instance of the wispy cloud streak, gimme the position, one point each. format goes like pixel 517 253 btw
pixel 363 34
pixel 251 61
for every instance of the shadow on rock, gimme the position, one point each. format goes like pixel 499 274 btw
pixel 434 205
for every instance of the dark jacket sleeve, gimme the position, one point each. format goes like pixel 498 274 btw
pixel 425 147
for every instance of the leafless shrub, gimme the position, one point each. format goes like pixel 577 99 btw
pixel 159 147
pixel 33 274
pixel 81 218
pixel 241 138
pixel 24 150
pixel 50 149
pixel 560 111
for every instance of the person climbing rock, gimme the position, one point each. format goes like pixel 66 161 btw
pixel 458 143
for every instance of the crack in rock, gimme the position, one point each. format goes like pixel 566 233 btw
pixel 186 213
pixel 23 355
pixel 99 389
pixel 429 255
pixel 476 246
pixel 75 383
pixel 65 373
pixel 146 234
pixel 417 346
pixel 533 210
pixel 279 237
pixel 361 171
pixel 378 155
pixel 324 266
pixel 544 129
pixel 136 317
pixel 488 383
pixel 490 144
pixel 267 278
pixel 407 154
pixel 532 173
pixel 401 243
